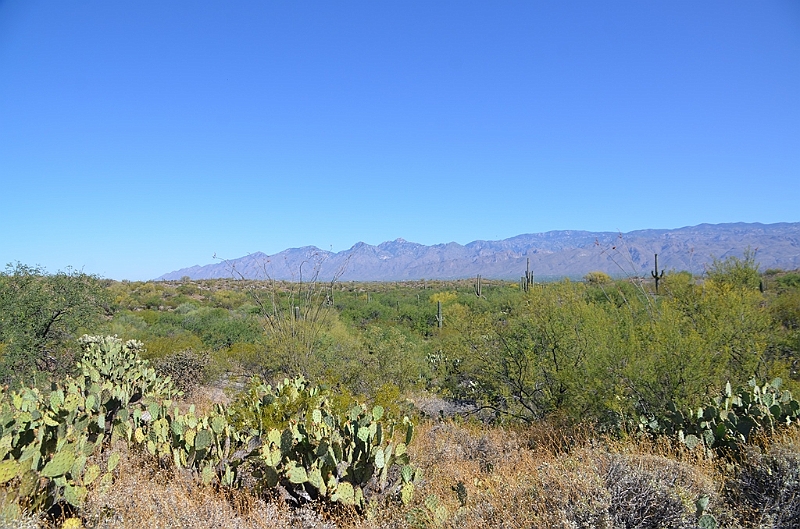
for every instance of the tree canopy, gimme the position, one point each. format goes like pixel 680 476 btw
pixel 40 313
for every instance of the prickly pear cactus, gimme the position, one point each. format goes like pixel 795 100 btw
pixel 289 434
pixel 704 519
pixel 312 452
pixel 46 440
pixel 730 420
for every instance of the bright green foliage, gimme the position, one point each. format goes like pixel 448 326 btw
pixel 690 340
pixel 40 313
pixel 730 420
pixel 597 278
pixel 391 356
pixel 736 272
pixel 788 281
pixel 606 353
pixel 220 328
pixel 536 359
pixel 786 310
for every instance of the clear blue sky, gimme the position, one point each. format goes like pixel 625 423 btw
pixel 141 137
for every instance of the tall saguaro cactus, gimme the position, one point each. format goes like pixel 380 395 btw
pixel 439 317
pixel 478 286
pixel 527 280
pixel 656 275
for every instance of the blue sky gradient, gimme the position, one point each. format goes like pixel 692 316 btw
pixel 141 137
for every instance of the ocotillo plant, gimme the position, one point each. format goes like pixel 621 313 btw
pixel 656 275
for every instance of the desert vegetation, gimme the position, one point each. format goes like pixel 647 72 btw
pixel 472 403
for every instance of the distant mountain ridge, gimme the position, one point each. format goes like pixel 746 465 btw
pixel 552 254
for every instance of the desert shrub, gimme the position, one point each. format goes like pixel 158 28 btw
pixel 594 488
pixel 220 328
pixel 541 357
pixel 41 315
pixel 187 369
pixel 786 310
pixel 597 278
pixel 788 281
pixel 644 492
pixel 185 308
pixel 766 489
pixel 391 356
pixel 447 443
pixel 736 272
pixel 162 346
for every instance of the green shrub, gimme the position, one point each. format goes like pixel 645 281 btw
pixel 789 281
pixel 40 315
pixel 597 278
pixel 736 272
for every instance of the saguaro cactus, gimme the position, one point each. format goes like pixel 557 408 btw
pixel 478 286
pixel 656 275
pixel 527 279
pixel 439 317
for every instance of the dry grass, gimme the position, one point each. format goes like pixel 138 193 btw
pixel 144 495
pixel 538 478
pixel 546 476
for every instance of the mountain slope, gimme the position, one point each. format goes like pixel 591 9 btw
pixel 551 254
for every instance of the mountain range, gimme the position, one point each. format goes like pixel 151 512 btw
pixel 552 255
